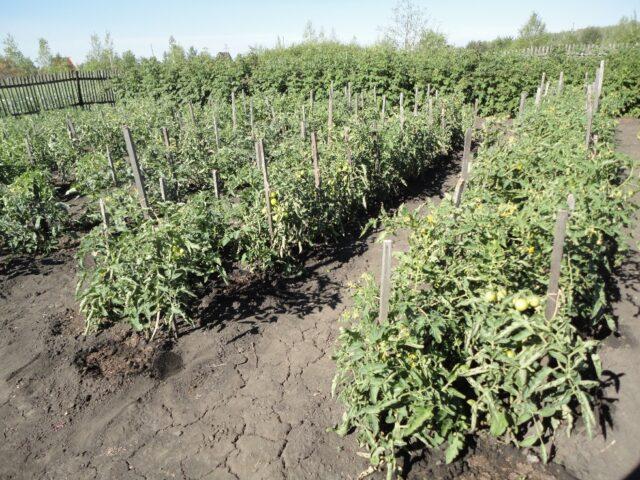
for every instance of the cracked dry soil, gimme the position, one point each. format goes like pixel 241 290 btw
pixel 245 395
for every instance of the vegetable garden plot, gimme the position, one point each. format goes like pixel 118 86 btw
pixel 467 345
pixel 145 265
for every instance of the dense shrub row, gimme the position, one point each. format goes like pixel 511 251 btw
pixel 467 345
pixel 495 77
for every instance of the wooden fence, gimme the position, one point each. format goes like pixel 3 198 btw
pixel 33 94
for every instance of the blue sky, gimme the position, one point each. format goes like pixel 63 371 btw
pixel 139 25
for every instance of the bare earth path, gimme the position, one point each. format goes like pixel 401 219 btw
pixel 615 454
pixel 247 397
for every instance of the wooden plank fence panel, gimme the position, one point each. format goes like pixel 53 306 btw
pixel 33 94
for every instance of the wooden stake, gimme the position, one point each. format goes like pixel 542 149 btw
pixel 234 120
pixel 214 174
pixel 27 145
pixel 589 116
pixel 401 109
pixel 556 261
pixel 538 96
pixel 314 157
pixel 466 153
pixel 385 281
pixel 560 83
pixel 163 189
pixel 415 101
pixel 112 167
pixel 71 129
pixel 103 213
pixel 457 193
pixel 137 175
pixel 384 106
pixel 267 190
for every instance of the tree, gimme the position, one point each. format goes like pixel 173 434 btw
pixel 176 52
pixel 101 53
pixel 408 25
pixel 533 28
pixel 14 60
pixel 44 54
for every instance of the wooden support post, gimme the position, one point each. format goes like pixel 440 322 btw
pixel 112 167
pixel 430 117
pixel 71 129
pixel 27 145
pixel 303 124
pixel 443 119
pixel 457 193
pixel 103 214
pixel 589 107
pixel 401 109
pixel 137 174
pixel 601 78
pixel 310 102
pixel 314 157
pixel 543 80
pixel 349 96
pixel 384 106
pixel 466 154
pixel 234 120
pixel 551 307
pixel 163 189
pixel 560 83
pixel 385 281
pixel 267 190
pixel 538 96
pixel 214 175
pixel 416 95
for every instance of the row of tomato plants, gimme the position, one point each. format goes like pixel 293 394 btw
pixel 147 270
pixel 467 346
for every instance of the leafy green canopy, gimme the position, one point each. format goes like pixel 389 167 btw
pixel 467 345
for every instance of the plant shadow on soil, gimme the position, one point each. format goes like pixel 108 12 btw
pixel 263 299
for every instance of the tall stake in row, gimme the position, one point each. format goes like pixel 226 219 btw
pixel 556 259
pixel 137 174
pixel 214 175
pixel 234 121
pixel 385 281
pixel 523 98
pixel 265 179
pixel 112 167
pixel 330 115
pixel 314 156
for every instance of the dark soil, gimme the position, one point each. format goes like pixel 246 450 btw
pixel 245 395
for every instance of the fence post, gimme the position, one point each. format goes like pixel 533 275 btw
pixel 385 281
pixel 137 175
pixel 79 90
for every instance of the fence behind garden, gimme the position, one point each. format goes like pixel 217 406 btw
pixel 33 94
